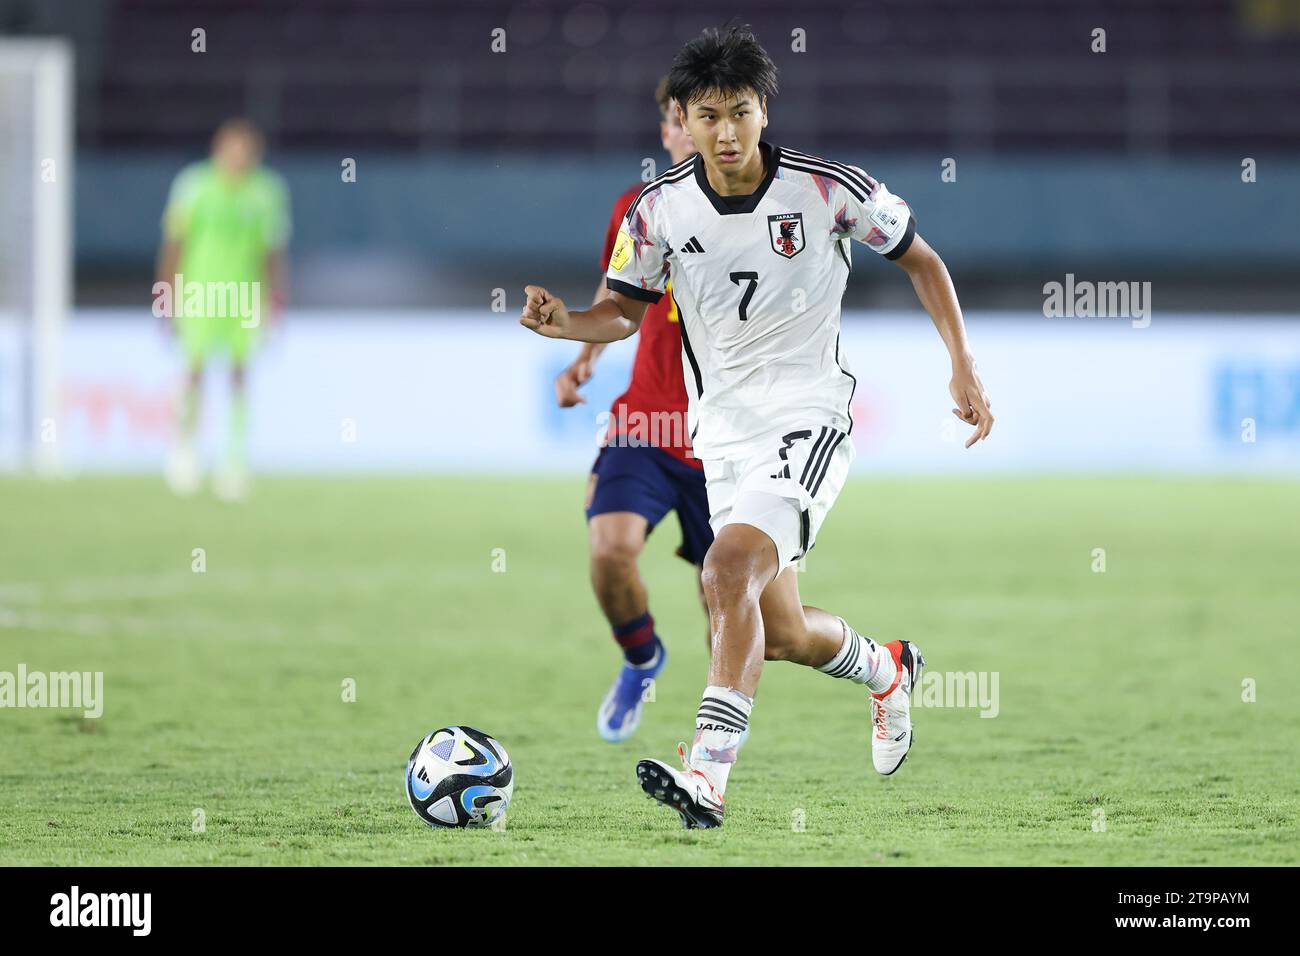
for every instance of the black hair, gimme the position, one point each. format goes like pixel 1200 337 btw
pixel 728 60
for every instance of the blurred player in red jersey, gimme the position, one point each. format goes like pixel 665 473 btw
pixel 644 470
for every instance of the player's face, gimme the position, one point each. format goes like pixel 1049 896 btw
pixel 236 153
pixel 726 129
pixel 677 141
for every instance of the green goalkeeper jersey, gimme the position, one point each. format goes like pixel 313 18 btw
pixel 226 227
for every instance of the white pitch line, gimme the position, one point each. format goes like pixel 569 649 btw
pixel 98 625
pixel 187 583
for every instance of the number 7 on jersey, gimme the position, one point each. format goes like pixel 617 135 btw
pixel 752 278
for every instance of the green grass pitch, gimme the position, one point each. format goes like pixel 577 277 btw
pixel 1121 736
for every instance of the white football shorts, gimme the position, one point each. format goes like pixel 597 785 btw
pixel 783 485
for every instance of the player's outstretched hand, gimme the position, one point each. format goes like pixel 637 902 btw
pixel 569 381
pixel 972 402
pixel 544 313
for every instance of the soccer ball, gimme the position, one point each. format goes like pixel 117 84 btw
pixel 459 777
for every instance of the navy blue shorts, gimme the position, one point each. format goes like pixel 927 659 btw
pixel 651 483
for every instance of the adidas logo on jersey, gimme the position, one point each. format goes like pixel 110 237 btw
pixel 692 246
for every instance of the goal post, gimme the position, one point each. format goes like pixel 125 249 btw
pixel 36 143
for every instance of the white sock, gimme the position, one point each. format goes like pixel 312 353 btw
pixel 723 717
pixel 863 661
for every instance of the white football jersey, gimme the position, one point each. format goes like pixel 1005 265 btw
pixel 758 281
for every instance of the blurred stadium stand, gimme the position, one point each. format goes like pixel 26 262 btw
pixel 479 170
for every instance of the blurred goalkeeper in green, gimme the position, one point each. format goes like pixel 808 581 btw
pixel 221 274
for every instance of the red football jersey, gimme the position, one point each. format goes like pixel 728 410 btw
pixel 653 409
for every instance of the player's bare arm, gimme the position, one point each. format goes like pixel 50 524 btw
pixel 609 320
pixel 934 288
pixel 579 371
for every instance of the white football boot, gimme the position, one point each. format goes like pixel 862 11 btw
pixel 891 717
pixel 183 473
pixel 688 791
pixel 231 484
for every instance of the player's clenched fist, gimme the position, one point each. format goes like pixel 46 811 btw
pixel 544 313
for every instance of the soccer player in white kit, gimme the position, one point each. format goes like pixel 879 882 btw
pixel 754 237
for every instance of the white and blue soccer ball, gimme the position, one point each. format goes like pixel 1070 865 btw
pixel 459 777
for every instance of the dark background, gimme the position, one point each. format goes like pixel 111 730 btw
pixel 479 170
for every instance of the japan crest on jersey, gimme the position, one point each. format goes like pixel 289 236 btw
pixel 786 232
